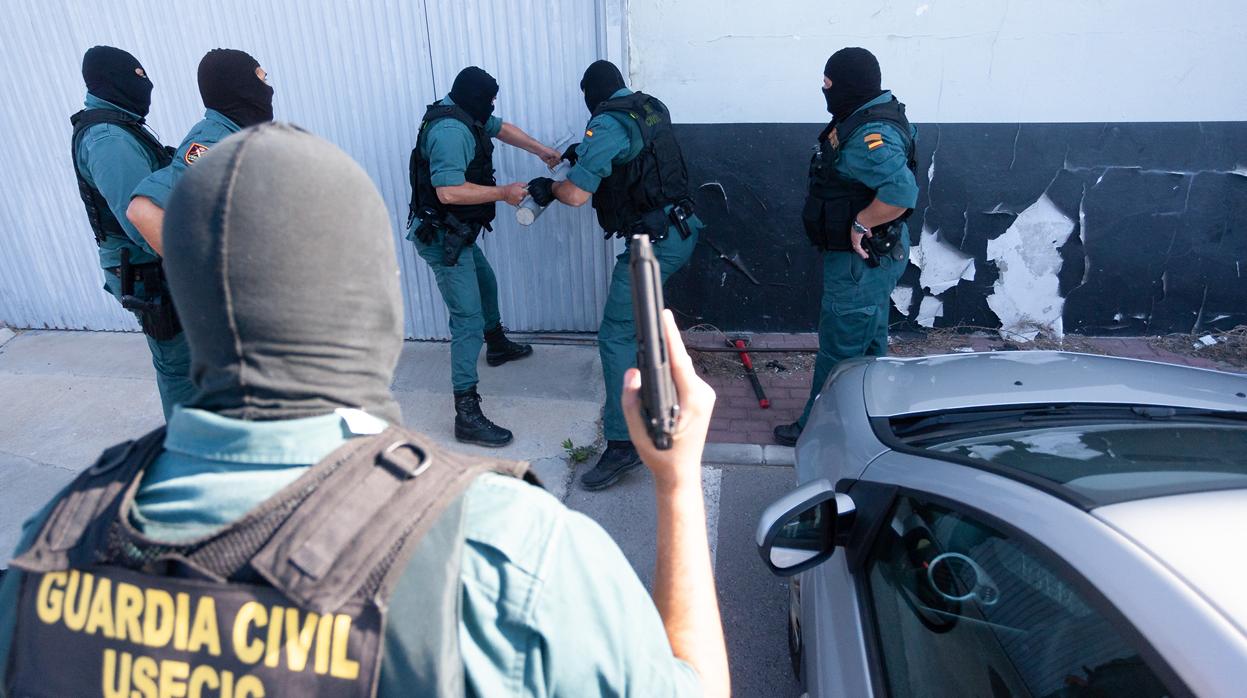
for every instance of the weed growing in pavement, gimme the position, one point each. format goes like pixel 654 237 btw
pixel 577 454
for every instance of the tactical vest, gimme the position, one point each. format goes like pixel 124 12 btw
pixel 480 170
pixel 290 600
pixel 103 222
pixel 652 180
pixel 833 202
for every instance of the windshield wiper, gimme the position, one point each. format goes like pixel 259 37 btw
pixel 957 421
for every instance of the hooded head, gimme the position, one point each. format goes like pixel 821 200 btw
pixel 281 263
pixel 229 83
pixel 474 90
pixel 117 77
pixel 601 80
pixel 855 80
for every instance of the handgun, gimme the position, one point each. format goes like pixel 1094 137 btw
pixel 660 406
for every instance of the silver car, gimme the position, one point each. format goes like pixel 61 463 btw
pixel 1022 524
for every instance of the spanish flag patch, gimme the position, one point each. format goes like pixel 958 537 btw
pixel 589 133
pixel 873 140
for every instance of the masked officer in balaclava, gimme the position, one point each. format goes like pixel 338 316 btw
pixel 285 536
pixel 236 93
pixel 862 188
pixel 113 151
pixel 453 196
pixel 631 164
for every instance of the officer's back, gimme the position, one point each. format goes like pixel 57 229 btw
pixel 285 536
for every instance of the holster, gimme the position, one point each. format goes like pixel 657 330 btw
pixel 154 310
pixel 883 241
pixel 456 236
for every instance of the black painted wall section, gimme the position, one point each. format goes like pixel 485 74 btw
pixel 1160 211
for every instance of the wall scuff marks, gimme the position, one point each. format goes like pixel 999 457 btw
pixel 1027 298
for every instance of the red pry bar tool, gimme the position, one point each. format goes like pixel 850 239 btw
pixel 753 375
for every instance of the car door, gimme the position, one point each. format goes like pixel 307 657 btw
pixel 957 598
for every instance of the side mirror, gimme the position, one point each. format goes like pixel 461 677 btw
pixel 803 528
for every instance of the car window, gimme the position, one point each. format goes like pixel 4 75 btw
pixel 1102 460
pixel 962 610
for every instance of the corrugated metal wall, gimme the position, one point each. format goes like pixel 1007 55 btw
pixel 358 73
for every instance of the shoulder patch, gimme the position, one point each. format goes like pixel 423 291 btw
pixel 873 140
pixel 588 133
pixel 193 153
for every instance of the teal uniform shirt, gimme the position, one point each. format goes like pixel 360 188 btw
pixel 470 288
pixel 450 146
pixel 612 139
pixel 550 606
pixel 856 301
pixel 112 161
pixel 212 129
pixel 884 168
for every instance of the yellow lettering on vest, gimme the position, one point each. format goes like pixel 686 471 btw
pixel 203 676
pixel 204 631
pixel 101 615
pixel 173 678
pixel 248 687
pixel 324 632
pixel 51 599
pixel 227 684
pixel 127 613
pixel 145 672
pixel 342 667
pixel 117 679
pixel 181 621
pixel 78 599
pixel 299 640
pixel 272 651
pixel 157 617
pixel 249 651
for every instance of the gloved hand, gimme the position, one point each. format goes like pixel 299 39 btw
pixel 541 190
pixel 570 154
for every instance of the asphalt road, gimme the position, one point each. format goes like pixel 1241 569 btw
pixel 754 603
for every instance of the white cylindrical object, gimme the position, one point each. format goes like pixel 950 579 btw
pixel 528 211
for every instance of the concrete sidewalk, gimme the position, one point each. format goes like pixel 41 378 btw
pixel 66 396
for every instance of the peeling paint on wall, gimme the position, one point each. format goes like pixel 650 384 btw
pixel 1027 297
pixel 903 298
pixel 930 309
pixel 943 265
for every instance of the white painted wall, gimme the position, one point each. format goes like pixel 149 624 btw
pixel 998 61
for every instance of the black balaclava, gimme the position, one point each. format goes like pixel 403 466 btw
pixel 114 76
pixel 281 262
pixel 602 79
pixel 474 90
pixel 228 84
pixel 855 80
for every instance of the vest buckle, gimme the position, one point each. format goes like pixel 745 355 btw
pixel 405 459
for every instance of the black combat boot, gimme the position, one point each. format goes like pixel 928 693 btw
pixel 618 458
pixel 501 350
pixel 787 434
pixel 471 426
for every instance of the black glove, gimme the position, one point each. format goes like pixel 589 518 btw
pixel 541 190
pixel 570 154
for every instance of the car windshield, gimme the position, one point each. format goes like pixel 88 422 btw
pixel 1104 456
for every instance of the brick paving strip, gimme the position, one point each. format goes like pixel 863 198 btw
pixel 741 432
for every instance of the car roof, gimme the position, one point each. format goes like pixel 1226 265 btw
pixel 900 386
pixel 1196 536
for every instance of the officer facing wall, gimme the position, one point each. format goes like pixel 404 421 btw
pixel 112 152
pixel 453 197
pixel 285 536
pixel 862 188
pixel 632 166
